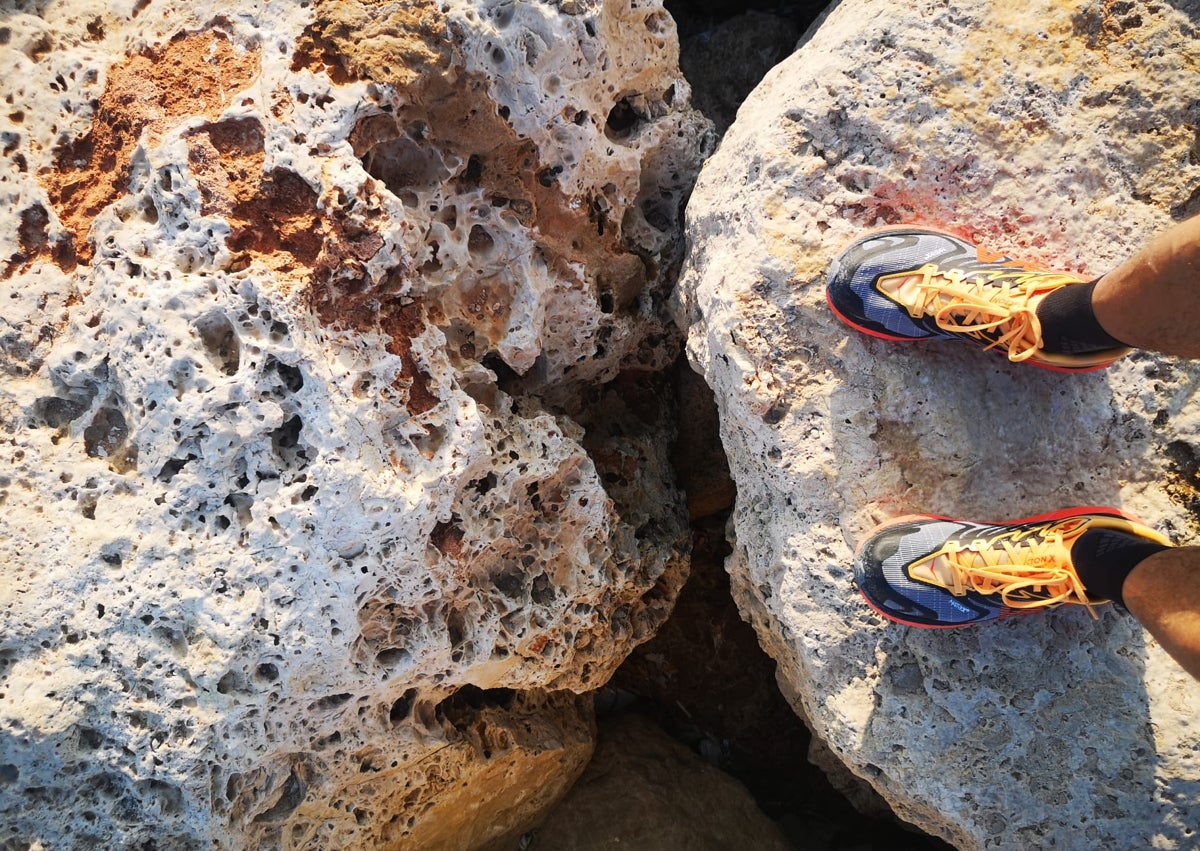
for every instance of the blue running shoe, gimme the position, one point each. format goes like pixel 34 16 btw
pixel 932 571
pixel 914 284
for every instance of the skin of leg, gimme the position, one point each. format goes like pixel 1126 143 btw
pixel 1152 300
pixel 1163 593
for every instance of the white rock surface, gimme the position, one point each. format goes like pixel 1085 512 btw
pixel 292 554
pixel 1064 135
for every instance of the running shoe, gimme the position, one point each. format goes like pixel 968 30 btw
pixel 914 284
pixel 932 571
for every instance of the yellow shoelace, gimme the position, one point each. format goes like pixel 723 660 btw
pixel 1030 573
pixel 994 306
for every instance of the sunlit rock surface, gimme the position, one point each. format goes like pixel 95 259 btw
pixel 299 545
pixel 1061 133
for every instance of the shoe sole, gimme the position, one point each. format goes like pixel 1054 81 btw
pixel 1037 518
pixel 894 339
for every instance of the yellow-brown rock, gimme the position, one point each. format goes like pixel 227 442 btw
pixel 646 791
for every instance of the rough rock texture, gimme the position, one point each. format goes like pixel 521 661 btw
pixel 705 680
pixel 300 547
pixel 646 791
pixel 1063 133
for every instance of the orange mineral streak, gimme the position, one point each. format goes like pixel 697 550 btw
pixel 148 93
pixel 412 48
pixel 273 217
pixel 35 243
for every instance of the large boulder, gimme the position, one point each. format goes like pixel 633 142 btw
pixel 305 309
pixel 646 791
pixel 1060 133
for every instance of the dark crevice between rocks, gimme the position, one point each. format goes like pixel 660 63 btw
pixel 703 678
pixel 727 47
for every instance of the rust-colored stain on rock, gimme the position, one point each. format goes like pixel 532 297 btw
pixel 194 73
pixel 272 216
pixel 414 49
pixel 401 322
pixel 33 237
pixel 448 538
pixel 275 218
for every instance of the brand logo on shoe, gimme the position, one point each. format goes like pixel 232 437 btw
pixel 969 612
pixel 1065 528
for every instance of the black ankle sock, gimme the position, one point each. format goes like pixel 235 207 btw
pixel 1069 326
pixel 1103 558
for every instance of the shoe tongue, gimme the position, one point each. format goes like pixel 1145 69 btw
pixel 943 570
pixel 936 570
pixel 905 290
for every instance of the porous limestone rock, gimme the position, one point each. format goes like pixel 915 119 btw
pixel 299 545
pixel 1063 133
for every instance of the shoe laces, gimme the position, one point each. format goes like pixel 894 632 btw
pixel 1033 572
pixel 992 306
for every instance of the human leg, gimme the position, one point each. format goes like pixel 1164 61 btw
pixel 1152 300
pixel 1163 593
